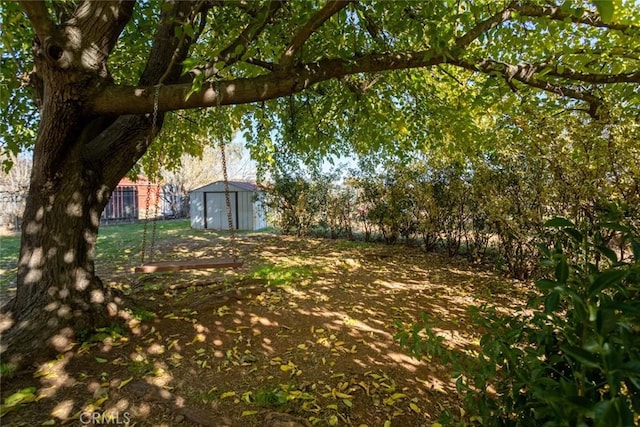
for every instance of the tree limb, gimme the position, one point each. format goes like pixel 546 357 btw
pixel 525 9
pixel 102 21
pixel 260 63
pixel 199 8
pixel 567 73
pixel 238 47
pixel 229 55
pixel 316 21
pixel 527 74
pixel 484 26
pixel 40 18
pixel 120 145
pixel 138 100
pixel 94 29
pixel 557 13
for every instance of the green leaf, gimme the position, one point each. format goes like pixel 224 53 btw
pixel 22 396
pixel 607 252
pixel 635 246
pixel 574 234
pixel 606 9
pixel 584 357
pixel 600 410
pixel 544 250
pixel 605 321
pixel 559 222
pixel 615 226
pixel 562 271
pixel 546 284
pixel 551 302
pixel 605 279
pixel 188 29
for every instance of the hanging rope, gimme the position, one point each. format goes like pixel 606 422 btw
pixel 154 122
pixel 227 196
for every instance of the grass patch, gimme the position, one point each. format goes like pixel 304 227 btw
pixel 115 332
pixel 208 396
pixel 282 276
pixel 7 370
pixel 9 252
pixel 354 244
pixel 270 397
pixel 141 368
pixel 141 314
pixel 117 244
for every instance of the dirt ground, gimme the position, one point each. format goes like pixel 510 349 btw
pixel 302 334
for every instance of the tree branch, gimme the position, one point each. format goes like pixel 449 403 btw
pixel 238 47
pixel 116 100
pixel 530 10
pixel 40 18
pixel 260 63
pixel 484 26
pixel 94 29
pixel 567 73
pixel 229 55
pixel 120 145
pixel 200 8
pixel 316 21
pixel 557 13
pixel 527 74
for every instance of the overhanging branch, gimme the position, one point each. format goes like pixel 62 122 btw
pixel 40 18
pixel 232 53
pixel 515 9
pixel 309 28
pixel 559 14
pixel 118 100
pixel 527 74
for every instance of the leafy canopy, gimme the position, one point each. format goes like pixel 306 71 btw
pixel 480 59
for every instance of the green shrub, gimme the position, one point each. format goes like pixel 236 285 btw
pixel 574 358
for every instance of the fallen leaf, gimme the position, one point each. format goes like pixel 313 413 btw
pixel 124 383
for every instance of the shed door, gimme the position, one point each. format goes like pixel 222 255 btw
pixel 215 206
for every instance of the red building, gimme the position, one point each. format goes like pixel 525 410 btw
pixel 131 199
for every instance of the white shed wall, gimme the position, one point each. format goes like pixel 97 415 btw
pixel 196 209
pixel 210 201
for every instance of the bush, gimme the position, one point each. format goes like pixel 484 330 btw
pixel 574 359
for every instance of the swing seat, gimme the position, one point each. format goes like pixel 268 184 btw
pixel 189 264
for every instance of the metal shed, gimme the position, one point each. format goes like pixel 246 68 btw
pixel 208 206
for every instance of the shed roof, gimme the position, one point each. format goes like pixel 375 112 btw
pixel 248 186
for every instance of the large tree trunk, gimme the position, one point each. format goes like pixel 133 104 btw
pixel 57 290
pixel 78 159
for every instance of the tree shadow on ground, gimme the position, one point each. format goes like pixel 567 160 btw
pixel 304 330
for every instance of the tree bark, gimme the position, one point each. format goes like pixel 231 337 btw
pixel 78 159
pixel 57 290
